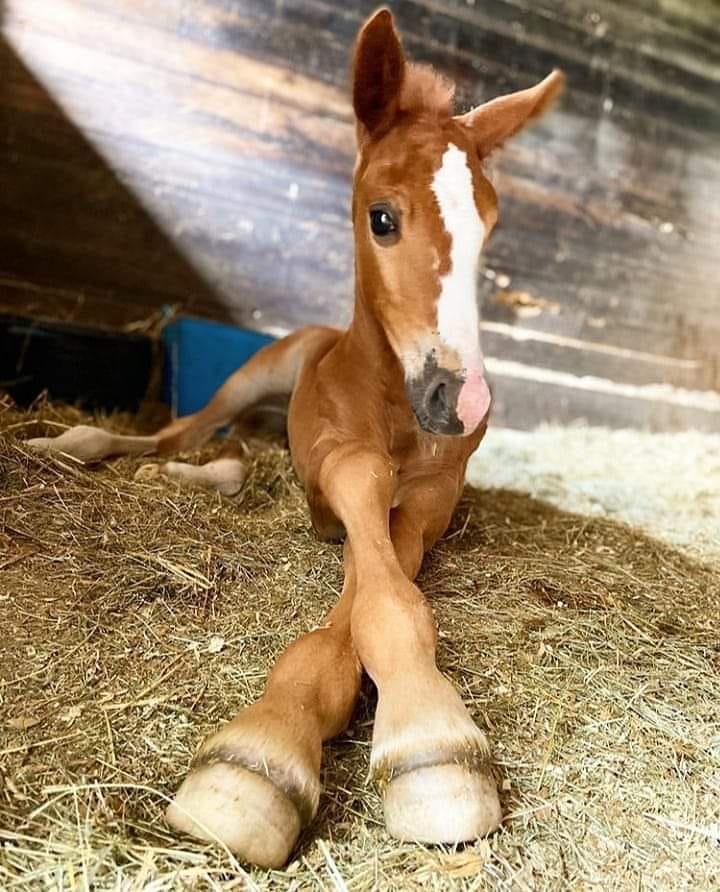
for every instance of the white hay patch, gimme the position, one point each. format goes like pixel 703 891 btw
pixel 666 484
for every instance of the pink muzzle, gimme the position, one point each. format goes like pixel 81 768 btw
pixel 473 401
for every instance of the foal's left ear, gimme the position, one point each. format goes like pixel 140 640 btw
pixel 378 74
pixel 496 121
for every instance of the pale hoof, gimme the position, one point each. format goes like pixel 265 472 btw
pixel 146 473
pixel 85 443
pixel 241 809
pixel 442 804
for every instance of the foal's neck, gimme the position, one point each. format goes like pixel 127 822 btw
pixel 366 338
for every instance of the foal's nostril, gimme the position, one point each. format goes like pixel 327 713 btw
pixel 438 399
pixel 433 396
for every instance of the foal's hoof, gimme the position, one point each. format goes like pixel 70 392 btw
pixel 85 443
pixel 441 804
pixel 244 810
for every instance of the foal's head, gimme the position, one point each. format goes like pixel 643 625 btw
pixel 422 210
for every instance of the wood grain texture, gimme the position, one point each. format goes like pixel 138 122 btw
pixel 199 155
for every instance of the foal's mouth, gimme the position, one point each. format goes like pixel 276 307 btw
pixel 448 402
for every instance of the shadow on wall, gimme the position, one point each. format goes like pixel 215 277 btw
pixel 71 233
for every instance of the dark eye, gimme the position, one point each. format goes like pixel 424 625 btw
pixel 383 223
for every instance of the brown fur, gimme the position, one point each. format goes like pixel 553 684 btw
pixel 425 91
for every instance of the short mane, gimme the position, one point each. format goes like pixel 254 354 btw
pixel 424 90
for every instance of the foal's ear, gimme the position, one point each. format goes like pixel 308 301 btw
pixel 496 121
pixel 378 74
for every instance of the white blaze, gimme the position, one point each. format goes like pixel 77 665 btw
pixel 458 319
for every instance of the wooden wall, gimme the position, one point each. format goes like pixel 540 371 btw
pixel 198 154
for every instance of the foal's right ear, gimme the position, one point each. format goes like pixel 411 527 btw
pixel 496 121
pixel 378 74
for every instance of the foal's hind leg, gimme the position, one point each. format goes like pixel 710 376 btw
pixel 271 372
pixel 225 474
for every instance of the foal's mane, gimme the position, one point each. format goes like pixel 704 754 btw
pixel 425 91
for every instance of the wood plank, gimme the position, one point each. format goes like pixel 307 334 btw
pixel 523 401
pixel 523 404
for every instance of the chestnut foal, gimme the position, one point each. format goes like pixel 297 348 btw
pixel 382 420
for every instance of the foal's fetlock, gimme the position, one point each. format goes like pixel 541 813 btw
pixel 251 788
pixel 433 766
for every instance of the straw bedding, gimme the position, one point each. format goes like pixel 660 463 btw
pixel 138 615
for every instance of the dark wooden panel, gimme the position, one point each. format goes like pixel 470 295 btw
pixel 76 364
pixel 200 154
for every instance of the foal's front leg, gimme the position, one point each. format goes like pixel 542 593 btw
pixel 429 757
pixel 255 784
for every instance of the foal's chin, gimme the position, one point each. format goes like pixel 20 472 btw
pixel 453 427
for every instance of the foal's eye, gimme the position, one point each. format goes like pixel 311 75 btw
pixel 384 223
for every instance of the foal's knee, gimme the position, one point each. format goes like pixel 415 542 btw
pixel 359 484
pixel 355 471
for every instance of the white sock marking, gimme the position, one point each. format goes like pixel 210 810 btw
pixel 457 311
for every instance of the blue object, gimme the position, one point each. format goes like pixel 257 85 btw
pixel 199 356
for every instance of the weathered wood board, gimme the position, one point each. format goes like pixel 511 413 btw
pixel 199 155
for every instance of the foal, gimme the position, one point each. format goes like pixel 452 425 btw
pixel 382 419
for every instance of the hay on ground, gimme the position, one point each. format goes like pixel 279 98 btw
pixel 137 616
